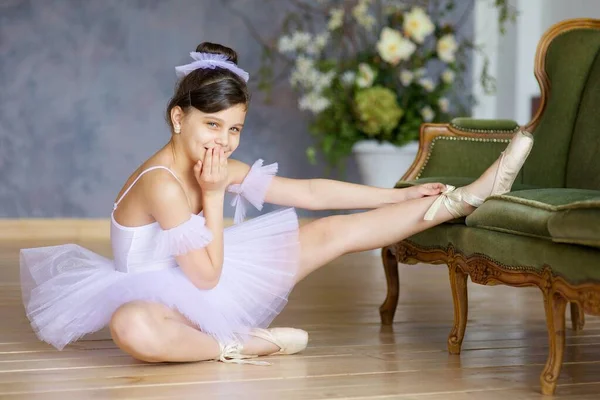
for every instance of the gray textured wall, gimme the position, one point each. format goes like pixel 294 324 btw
pixel 83 87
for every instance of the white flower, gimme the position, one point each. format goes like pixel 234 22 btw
pixel 336 19
pixel 406 77
pixel 446 47
pixel 285 44
pixel 297 41
pixel 448 76
pixel 348 77
pixel 420 72
pixel 427 114
pixel 307 76
pixel 444 104
pixel 305 63
pixel 313 102
pixel 392 6
pixel 304 73
pixel 427 84
pixel 366 75
pixel 322 80
pixel 417 24
pixel 393 47
pixel 321 40
pixel 301 40
pixel 362 16
pixel 318 43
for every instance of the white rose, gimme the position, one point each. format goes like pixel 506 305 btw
pixel 427 114
pixel 393 47
pixel 366 75
pixel 448 76
pixel 417 24
pixel 427 84
pixel 446 47
pixel 406 77
pixel 444 104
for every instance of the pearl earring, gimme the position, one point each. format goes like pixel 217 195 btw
pixel 177 129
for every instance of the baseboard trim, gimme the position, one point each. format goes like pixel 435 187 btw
pixel 66 228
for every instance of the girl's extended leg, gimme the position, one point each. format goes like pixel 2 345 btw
pixel 153 332
pixel 324 240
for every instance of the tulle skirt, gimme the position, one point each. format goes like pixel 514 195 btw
pixel 69 291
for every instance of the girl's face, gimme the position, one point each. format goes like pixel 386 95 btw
pixel 201 132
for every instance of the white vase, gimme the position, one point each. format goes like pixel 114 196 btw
pixel 383 164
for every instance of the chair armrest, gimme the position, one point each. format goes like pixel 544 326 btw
pixel 463 148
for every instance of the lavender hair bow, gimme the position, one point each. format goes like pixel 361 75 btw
pixel 212 61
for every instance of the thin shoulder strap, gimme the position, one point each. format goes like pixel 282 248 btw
pixel 139 176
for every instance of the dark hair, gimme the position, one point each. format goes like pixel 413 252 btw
pixel 210 90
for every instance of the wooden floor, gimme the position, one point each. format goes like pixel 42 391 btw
pixel 350 355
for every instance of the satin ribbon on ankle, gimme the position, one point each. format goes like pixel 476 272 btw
pixel 438 203
pixel 453 199
pixel 232 354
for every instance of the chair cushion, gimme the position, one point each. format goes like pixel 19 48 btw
pixel 577 225
pixel 557 214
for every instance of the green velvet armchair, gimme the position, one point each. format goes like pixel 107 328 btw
pixel 546 231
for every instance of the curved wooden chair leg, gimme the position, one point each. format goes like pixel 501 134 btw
pixel 390 265
pixel 577 317
pixel 555 306
pixel 458 284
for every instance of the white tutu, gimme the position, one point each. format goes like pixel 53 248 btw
pixel 70 291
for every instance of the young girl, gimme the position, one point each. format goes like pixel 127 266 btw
pixel 183 288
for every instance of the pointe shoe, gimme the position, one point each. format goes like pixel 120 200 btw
pixel 511 162
pixel 289 341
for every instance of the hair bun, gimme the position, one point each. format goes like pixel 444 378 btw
pixel 214 48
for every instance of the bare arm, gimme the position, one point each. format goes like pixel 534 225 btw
pixel 327 194
pixel 168 205
pixel 212 204
pixel 212 175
